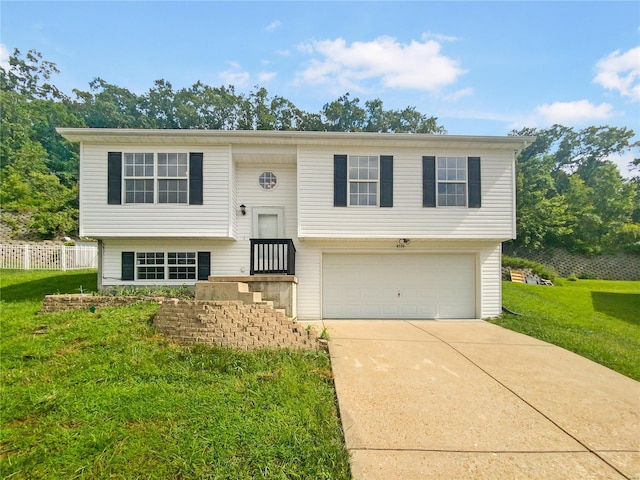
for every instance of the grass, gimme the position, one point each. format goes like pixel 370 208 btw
pixel 597 319
pixel 103 396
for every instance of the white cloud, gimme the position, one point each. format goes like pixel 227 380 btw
pixel 266 76
pixel 4 57
pixel 273 26
pixel 621 72
pixel 415 66
pixel 573 113
pixel 237 79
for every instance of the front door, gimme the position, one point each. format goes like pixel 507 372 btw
pixel 268 222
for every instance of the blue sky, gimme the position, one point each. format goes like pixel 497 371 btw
pixel 482 68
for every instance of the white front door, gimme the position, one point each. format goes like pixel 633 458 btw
pixel 268 222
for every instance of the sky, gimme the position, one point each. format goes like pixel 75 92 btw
pixel 481 67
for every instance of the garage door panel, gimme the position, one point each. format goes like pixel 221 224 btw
pixel 429 286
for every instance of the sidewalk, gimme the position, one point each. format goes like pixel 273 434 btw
pixel 471 400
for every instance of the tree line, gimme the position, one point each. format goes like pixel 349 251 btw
pixel 569 194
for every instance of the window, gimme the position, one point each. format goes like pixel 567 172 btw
pixel 452 181
pixel 173 171
pixel 138 172
pixel 166 265
pixel 168 174
pixel 179 266
pixel 363 180
pixel 182 266
pixel 267 180
pixel 150 266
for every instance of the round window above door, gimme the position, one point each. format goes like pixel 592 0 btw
pixel 267 180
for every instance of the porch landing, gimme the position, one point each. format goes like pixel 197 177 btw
pixel 279 289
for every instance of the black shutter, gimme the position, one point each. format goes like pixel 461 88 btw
pixel 386 180
pixel 114 178
pixel 195 178
pixel 428 181
pixel 473 182
pixel 339 180
pixel 204 265
pixel 128 265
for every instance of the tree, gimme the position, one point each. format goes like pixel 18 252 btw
pixel 571 194
pixel 38 167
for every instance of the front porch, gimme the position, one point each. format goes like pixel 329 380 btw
pixel 281 290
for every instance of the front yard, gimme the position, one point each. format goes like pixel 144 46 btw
pixel 597 319
pixel 101 395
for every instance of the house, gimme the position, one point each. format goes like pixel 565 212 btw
pixel 370 225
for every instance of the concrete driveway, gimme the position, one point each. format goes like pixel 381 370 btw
pixel 471 400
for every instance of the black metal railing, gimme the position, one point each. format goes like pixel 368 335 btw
pixel 273 255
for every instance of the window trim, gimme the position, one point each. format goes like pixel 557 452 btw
pixel 376 181
pixel 157 178
pixel 464 183
pixel 198 261
pixel 473 191
pixel 275 182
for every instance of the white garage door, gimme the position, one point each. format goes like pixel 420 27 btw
pixel 398 286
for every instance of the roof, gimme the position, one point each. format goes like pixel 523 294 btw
pixel 279 137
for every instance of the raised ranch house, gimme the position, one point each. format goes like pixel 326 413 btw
pixel 363 225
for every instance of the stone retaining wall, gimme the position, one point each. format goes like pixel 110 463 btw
pixel 231 324
pixel 220 323
pixel 605 266
pixel 62 303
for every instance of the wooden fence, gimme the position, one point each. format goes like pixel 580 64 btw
pixel 48 257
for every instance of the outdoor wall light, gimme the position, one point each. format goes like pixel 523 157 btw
pixel 243 209
pixel 403 242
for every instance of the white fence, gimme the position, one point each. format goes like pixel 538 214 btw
pixel 48 257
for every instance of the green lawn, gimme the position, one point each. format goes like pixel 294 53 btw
pixel 103 396
pixel 597 319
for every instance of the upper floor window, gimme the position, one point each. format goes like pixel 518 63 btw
pixel 175 178
pixel 138 171
pixel 144 174
pixel 363 180
pixel 452 181
pixel 173 173
pixel 267 180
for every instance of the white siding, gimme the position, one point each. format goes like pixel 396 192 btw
pixel 232 258
pixel 100 220
pixel 491 265
pixel 407 218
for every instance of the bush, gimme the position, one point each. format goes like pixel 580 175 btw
pixel 537 268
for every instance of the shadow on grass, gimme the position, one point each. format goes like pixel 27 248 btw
pixel 50 285
pixel 623 306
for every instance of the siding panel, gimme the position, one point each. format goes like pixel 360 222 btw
pixel 408 219
pixel 100 220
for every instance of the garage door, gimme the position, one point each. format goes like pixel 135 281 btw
pixel 398 286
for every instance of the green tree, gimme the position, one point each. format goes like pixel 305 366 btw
pixel 38 168
pixel 571 194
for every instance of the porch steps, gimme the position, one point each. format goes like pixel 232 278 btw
pixel 233 291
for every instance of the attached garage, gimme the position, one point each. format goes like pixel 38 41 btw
pixel 411 286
